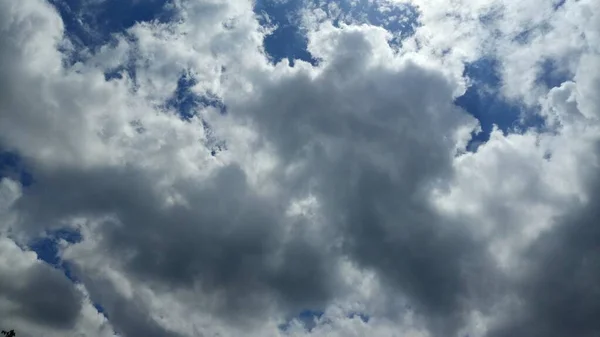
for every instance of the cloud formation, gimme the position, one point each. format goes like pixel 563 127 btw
pixel 343 187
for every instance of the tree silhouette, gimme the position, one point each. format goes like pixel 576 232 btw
pixel 10 333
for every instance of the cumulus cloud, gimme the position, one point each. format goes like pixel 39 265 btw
pixel 343 187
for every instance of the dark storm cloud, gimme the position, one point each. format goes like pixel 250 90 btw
pixel 41 295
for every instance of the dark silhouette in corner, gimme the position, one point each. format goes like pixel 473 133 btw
pixel 10 333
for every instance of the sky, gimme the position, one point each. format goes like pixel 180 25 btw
pixel 300 168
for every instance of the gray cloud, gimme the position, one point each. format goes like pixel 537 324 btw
pixel 558 290
pixel 128 315
pixel 227 239
pixel 373 142
pixel 35 292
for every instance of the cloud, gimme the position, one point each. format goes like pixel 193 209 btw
pixel 343 186
pixel 555 284
pixel 557 292
pixel 370 135
pixel 37 290
pixel 36 298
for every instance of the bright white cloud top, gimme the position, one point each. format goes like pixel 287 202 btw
pixel 338 197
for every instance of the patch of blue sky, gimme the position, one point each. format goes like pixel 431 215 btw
pixel 12 166
pixel 128 68
pixel 92 24
pixel 481 100
pixel 484 101
pixel 119 71
pixel 400 19
pixel 551 74
pixel 524 36
pixel 47 248
pixel 309 319
pixel 558 4
pixel 101 309
pixel 186 104
pixel 289 41
pixel 363 317
pixel 528 34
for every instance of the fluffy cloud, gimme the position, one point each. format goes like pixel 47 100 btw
pixel 343 187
